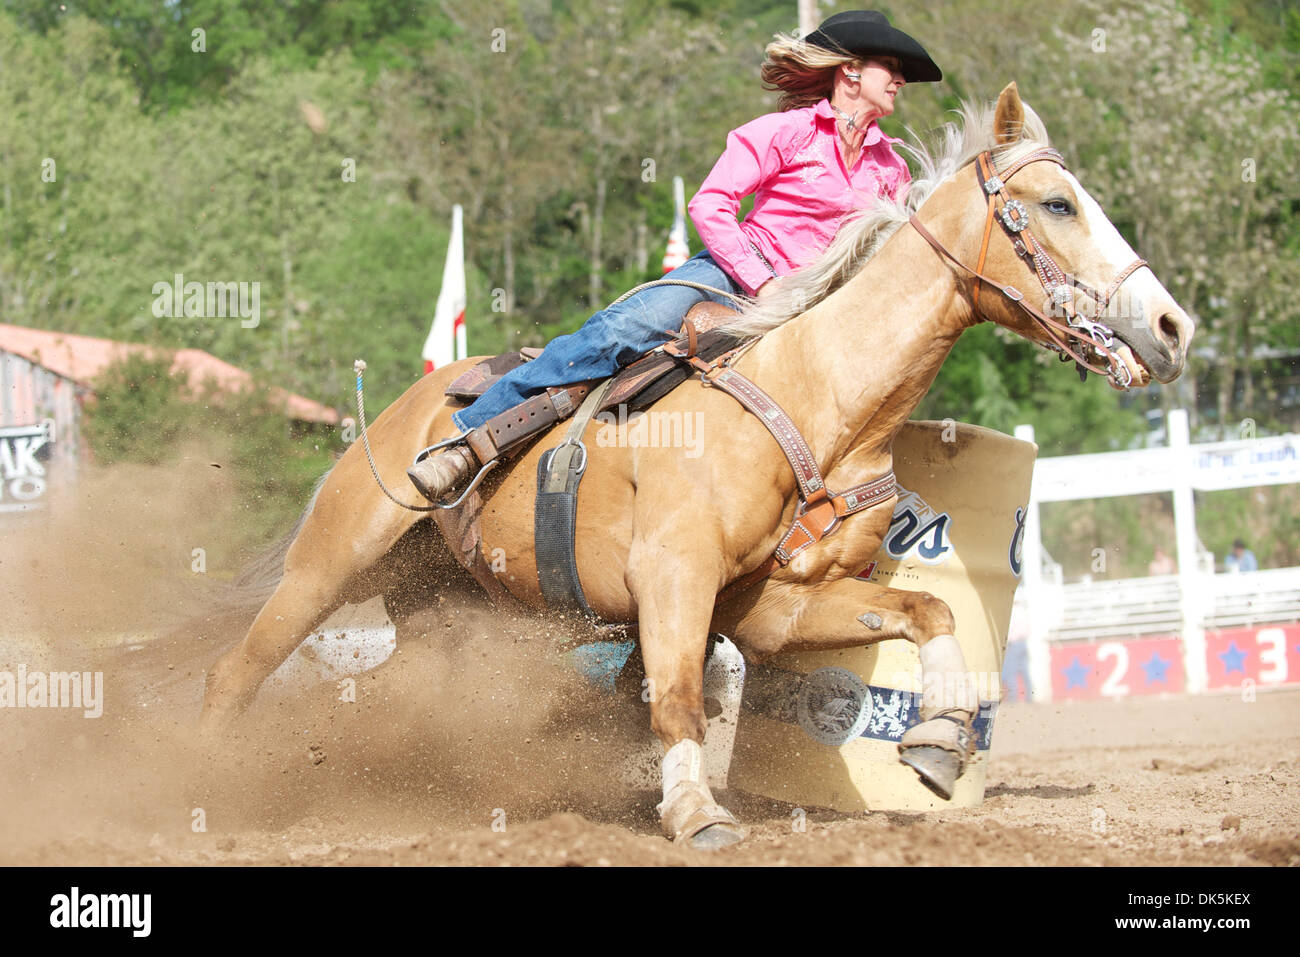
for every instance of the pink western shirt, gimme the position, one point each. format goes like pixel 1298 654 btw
pixel 791 161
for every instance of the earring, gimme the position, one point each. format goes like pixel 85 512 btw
pixel 852 76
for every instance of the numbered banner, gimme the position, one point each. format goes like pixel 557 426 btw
pixel 1268 655
pixel 1116 669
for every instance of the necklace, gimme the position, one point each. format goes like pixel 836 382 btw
pixel 849 120
pixel 851 150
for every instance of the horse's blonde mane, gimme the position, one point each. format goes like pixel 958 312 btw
pixel 863 234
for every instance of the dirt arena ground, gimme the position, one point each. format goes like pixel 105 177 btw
pixel 416 770
pixel 473 718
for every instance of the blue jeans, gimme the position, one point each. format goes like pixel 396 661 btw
pixel 606 342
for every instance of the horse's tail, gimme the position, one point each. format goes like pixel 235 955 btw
pixel 218 613
pixel 260 577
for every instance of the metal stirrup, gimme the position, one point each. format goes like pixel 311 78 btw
pixel 474 483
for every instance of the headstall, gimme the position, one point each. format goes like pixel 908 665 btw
pixel 1095 342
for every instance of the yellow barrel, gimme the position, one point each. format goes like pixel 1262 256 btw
pixel 822 729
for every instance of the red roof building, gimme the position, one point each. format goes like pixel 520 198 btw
pixel 45 377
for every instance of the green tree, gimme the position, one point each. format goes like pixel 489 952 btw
pixel 187 50
pixel 1200 166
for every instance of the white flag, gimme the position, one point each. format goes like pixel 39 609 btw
pixel 446 342
pixel 679 249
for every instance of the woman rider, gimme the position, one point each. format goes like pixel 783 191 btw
pixel 810 166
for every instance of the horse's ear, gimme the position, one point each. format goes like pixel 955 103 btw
pixel 1009 120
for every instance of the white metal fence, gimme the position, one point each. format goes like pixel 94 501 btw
pixel 1137 607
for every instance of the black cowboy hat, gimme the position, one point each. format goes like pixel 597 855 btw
pixel 861 33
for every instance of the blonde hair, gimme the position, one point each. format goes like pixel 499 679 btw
pixel 802 73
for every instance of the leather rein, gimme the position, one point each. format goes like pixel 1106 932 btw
pixel 1096 342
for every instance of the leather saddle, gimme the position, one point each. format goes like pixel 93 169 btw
pixel 636 386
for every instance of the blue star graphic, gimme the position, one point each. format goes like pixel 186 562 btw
pixel 1232 659
pixel 1076 676
pixel 1156 668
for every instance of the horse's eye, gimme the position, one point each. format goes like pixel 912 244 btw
pixel 1059 207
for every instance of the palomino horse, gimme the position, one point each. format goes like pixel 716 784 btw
pixel 662 531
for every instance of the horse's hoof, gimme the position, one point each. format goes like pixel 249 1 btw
pixel 715 837
pixel 938 768
pixel 697 821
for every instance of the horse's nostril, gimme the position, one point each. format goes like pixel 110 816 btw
pixel 1170 333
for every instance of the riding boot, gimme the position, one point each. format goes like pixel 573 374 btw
pixel 437 475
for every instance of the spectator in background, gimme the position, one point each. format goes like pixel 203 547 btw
pixel 1242 559
pixel 1162 564
pixel 1015 664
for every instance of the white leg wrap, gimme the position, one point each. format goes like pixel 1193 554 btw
pixel 945 683
pixel 683 764
pixel 688 806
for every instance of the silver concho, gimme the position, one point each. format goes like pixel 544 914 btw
pixel 834 705
pixel 1015 216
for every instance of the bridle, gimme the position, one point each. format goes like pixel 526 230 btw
pixel 1095 341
